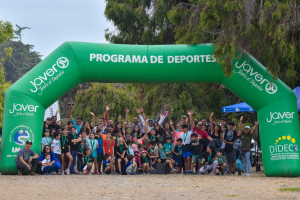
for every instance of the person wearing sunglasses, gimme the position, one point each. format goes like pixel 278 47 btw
pixel 27 159
pixel 199 129
pixel 54 162
pixel 53 122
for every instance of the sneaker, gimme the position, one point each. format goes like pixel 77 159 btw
pixel 228 172
pixel 144 173
pixel 80 173
pixel 173 171
pixel 206 173
pixel 63 173
pixel 248 174
pixel 222 173
pixel 120 173
pixel 244 174
pixel 68 171
pixel 32 173
pixel 147 172
pixel 47 174
pixel 185 172
pixel 90 173
pixel 197 173
pixel 151 168
pixel 134 173
pixel 213 174
pixel 128 173
pixel 19 173
pixel 233 173
pixel 98 172
pixel 53 173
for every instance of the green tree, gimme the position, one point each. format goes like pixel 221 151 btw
pixel 268 30
pixel 146 23
pixel 6 33
pixel 101 94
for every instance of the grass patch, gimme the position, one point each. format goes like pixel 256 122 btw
pixel 232 195
pixel 294 189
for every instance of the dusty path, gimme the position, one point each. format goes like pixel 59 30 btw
pixel 146 187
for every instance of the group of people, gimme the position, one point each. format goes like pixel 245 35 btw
pixel 188 146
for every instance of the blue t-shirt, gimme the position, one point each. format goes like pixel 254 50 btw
pixel 77 127
pixel 128 164
pixel 176 149
pixel 100 143
pixel 105 163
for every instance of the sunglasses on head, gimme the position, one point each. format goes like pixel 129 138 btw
pixel 47 148
pixel 199 125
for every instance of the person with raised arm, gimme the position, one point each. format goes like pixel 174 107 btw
pixel 78 122
pixel 199 128
pixel 136 119
pixel 216 131
pixel 246 146
pixel 176 133
pixel 88 127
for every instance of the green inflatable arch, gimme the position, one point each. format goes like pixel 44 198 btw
pixel 76 62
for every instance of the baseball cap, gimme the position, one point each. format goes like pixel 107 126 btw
pixel 247 127
pixel 79 117
pixel 183 116
pixel 28 142
pixel 150 121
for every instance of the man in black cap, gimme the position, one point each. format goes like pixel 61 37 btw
pixel 24 161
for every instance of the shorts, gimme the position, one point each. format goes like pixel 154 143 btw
pixel 65 150
pixel 99 157
pixel 108 171
pixel 163 160
pixel 196 159
pixel 178 162
pixel 94 154
pixel 186 154
pixel 219 167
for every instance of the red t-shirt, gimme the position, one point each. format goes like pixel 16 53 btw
pixel 201 133
pixel 106 144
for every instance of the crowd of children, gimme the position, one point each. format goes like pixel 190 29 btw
pixel 81 147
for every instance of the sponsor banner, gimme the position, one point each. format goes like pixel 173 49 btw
pixel 280 117
pixel 254 78
pixel 19 109
pixel 284 148
pixel 51 110
pixel 49 76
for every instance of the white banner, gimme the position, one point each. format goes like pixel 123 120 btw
pixel 50 111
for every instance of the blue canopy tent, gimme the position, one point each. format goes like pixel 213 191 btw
pixel 297 93
pixel 240 107
pixel 243 107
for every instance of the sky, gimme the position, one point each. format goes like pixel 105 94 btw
pixel 53 22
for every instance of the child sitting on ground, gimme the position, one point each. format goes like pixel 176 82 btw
pixel 46 167
pixel 88 162
pixel 145 162
pixel 219 164
pixel 131 165
pixel 108 164
pixel 178 155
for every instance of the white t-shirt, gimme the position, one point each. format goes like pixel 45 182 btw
pixel 95 142
pixel 56 146
pixel 44 161
pixel 130 150
pixel 187 137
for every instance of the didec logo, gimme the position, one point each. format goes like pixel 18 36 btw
pixel 284 148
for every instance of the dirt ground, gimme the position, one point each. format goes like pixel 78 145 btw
pixel 146 187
